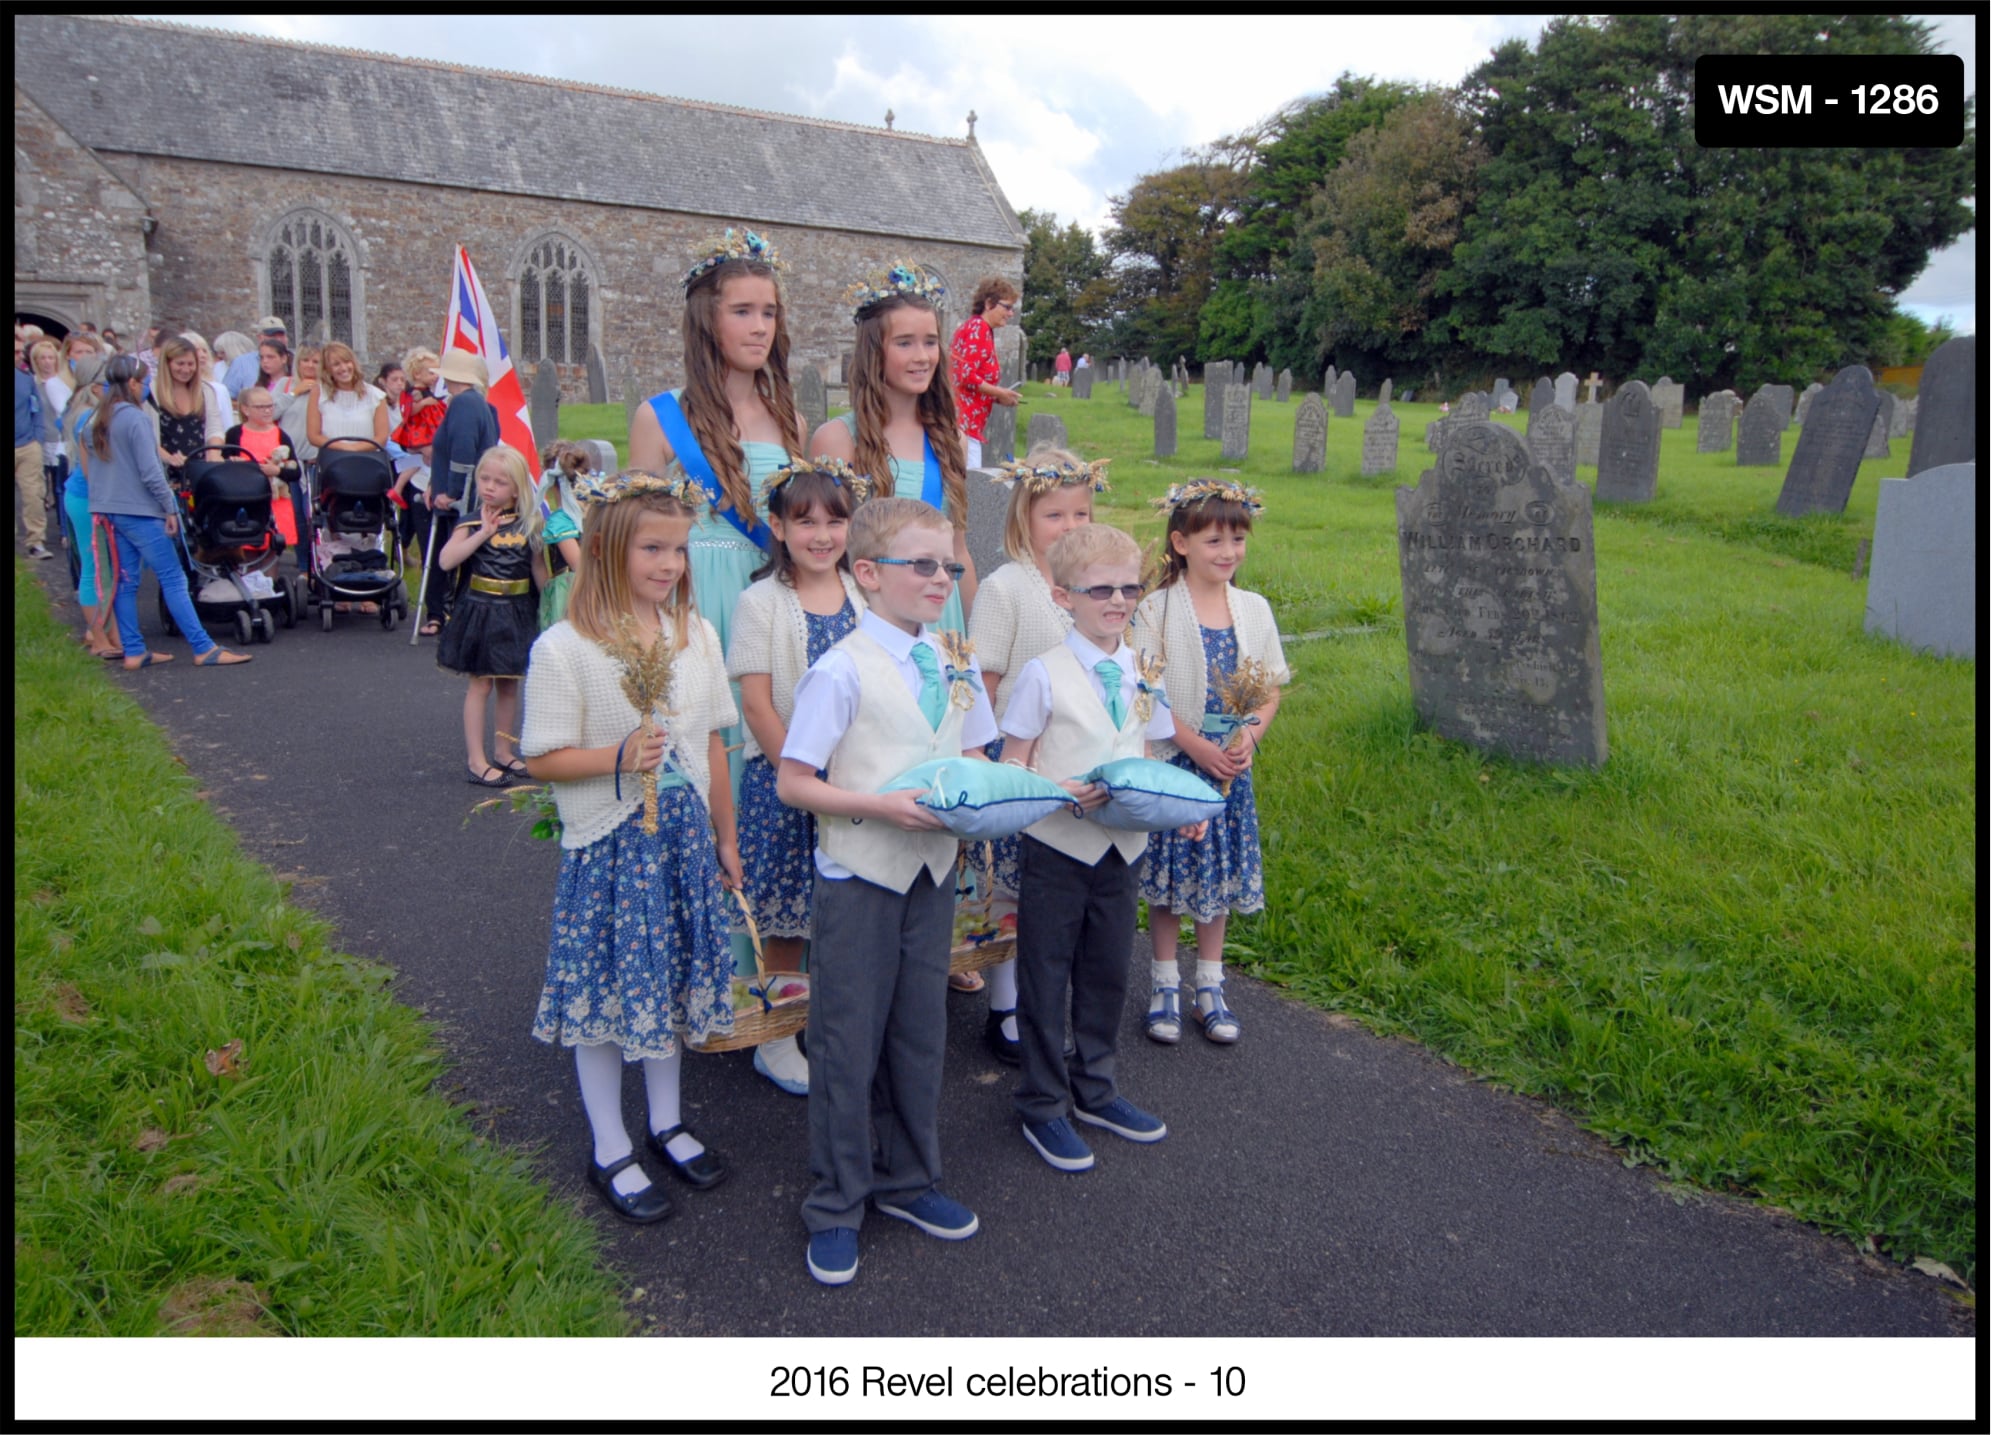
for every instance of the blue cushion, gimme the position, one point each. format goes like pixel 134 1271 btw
pixel 1150 796
pixel 979 800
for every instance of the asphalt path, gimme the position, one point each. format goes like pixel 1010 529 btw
pixel 1316 1179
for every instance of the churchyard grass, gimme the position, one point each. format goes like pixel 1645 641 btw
pixel 605 421
pixel 322 1188
pixel 1744 949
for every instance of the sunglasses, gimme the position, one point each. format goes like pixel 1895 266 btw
pixel 925 567
pixel 1104 592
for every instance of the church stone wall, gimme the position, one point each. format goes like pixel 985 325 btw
pixel 79 235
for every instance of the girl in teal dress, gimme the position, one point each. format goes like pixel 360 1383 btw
pixel 904 423
pixel 562 526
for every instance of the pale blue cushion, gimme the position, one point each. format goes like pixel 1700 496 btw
pixel 1150 796
pixel 979 801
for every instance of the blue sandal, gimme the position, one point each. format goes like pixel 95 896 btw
pixel 1163 1017
pixel 1218 1022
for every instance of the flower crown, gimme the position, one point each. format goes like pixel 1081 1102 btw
pixel 838 470
pixel 1041 478
pixel 632 482
pixel 1198 490
pixel 901 278
pixel 732 245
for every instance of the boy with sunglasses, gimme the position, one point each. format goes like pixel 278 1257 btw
pixel 883 699
pixel 1077 706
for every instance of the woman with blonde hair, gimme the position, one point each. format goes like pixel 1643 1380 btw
pixel 186 416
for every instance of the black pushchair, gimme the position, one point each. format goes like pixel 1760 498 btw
pixel 354 556
pixel 230 544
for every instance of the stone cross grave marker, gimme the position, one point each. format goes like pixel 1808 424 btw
pixel 1552 441
pixel 1923 578
pixel 1878 433
pixel 1589 432
pixel 1166 422
pixel 1379 438
pixel 1831 442
pixel 1236 422
pixel 545 403
pixel 1805 404
pixel 1542 396
pixel 1285 387
pixel 595 387
pixel 1671 398
pixel 1499 571
pixel 1343 395
pixel 1214 379
pixel 1566 390
pixel 1947 417
pixel 986 519
pixel 1309 436
pixel 1715 423
pixel 1590 389
pixel 1046 431
pixel 809 389
pixel 1628 459
pixel 1760 434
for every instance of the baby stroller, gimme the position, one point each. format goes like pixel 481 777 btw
pixel 352 537
pixel 230 544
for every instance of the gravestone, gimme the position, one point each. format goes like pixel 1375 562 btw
pixel 1591 386
pixel 809 391
pixel 1285 387
pixel 595 387
pixel 1046 431
pixel 1507 402
pixel 1878 432
pixel 1923 579
pixel 1589 432
pixel 603 457
pixel 1947 417
pixel 1499 571
pixel 1566 390
pixel 1760 434
pixel 1471 405
pixel 1309 436
pixel 1081 381
pixel 987 501
pixel 1343 395
pixel 1805 404
pixel 1261 381
pixel 1379 438
pixel 1628 455
pixel 1900 413
pixel 1236 422
pixel 1670 398
pixel 1407 396
pixel 545 402
pixel 1542 396
pixel 1552 441
pixel 1003 423
pixel 1716 422
pixel 1782 395
pixel 1502 386
pixel 1214 379
pixel 1166 421
pixel 1236 372
pixel 1831 442
pixel 1382 394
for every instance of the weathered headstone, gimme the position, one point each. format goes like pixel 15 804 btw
pixel 1670 398
pixel 1831 441
pixel 1947 417
pixel 1715 423
pixel 1166 421
pixel 1805 404
pixel 1343 395
pixel 1214 379
pixel 1472 405
pixel 1628 455
pixel 1542 396
pixel 595 387
pixel 603 457
pixel 1379 437
pixel 1326 382
pixel 1382 394
pixel 1760 433
pixel 1901 410
pixel 1501 386
pixel 1236 372
pixel 1923 579
pixel 1285 387
pixel 1261 381
pixel 1499 572
pixel 1589 432
pixel 1309 436
pixel 545 402
pixel 1878 432
pixel 1566 390
pixel 1081 381
pixel 1552 441
pixel 1003 422
pixel 809 390
pixel 1509 401
pixel 1236 422
pixel 1407 396
pixel 1046 431
pixel 987 502
pixel 1782 395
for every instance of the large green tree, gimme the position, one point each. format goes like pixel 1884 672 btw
pixel 1164 233
pixel 1067 293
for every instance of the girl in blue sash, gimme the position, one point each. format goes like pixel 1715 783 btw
pixel 903 427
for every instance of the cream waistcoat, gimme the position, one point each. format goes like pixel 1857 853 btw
pixel 1078 738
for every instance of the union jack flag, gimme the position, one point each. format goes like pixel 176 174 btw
pixel 470 326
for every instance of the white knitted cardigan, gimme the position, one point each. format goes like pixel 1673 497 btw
pixel 1165 625
pixel 573 699
pixel 767 634
pixel 1014 619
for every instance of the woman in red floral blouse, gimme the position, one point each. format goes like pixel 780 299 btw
pixel 975 370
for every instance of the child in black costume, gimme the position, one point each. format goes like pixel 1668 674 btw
pixel 493 623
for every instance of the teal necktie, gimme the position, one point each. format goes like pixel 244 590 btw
pixel 1113 679
pixel 931 699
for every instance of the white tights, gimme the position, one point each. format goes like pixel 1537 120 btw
pixel 600 1074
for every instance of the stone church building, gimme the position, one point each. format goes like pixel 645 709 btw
pixel 204 178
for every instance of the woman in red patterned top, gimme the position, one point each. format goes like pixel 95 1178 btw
pixel 975 370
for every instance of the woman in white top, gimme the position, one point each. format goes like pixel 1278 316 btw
pixel 343 405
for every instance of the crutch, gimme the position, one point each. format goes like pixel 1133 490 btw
pixel 417 619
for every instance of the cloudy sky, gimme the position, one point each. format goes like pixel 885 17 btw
pixel 1072 108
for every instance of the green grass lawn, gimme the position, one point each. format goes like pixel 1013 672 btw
pixel 316 1185
pixel 1744 949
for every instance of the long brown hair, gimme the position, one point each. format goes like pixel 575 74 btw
pixel 165 399
pixel 706 401
pixel 118 376
pixel 1193 518
pixel 937 411
pixel 795 498
pixel 603 587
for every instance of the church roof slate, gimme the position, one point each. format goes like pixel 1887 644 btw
pixel 131 86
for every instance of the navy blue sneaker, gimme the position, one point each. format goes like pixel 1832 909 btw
pixel 1057 1143
pixel 935 1214
pixel 1126 1119
pixel 832 1255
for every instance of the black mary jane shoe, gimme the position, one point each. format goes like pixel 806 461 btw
pixel 642 1207
pixel 1006 1051
pixel 701 1172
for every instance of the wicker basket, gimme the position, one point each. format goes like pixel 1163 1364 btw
pixel 754 1028
pixel 972 957
pixel 988 949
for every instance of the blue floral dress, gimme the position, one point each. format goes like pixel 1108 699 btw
pixel 1224 872
pixel 639 944
pixel 775 841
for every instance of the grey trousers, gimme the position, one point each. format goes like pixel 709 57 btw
pixel 1073 951
pixel 875 1040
